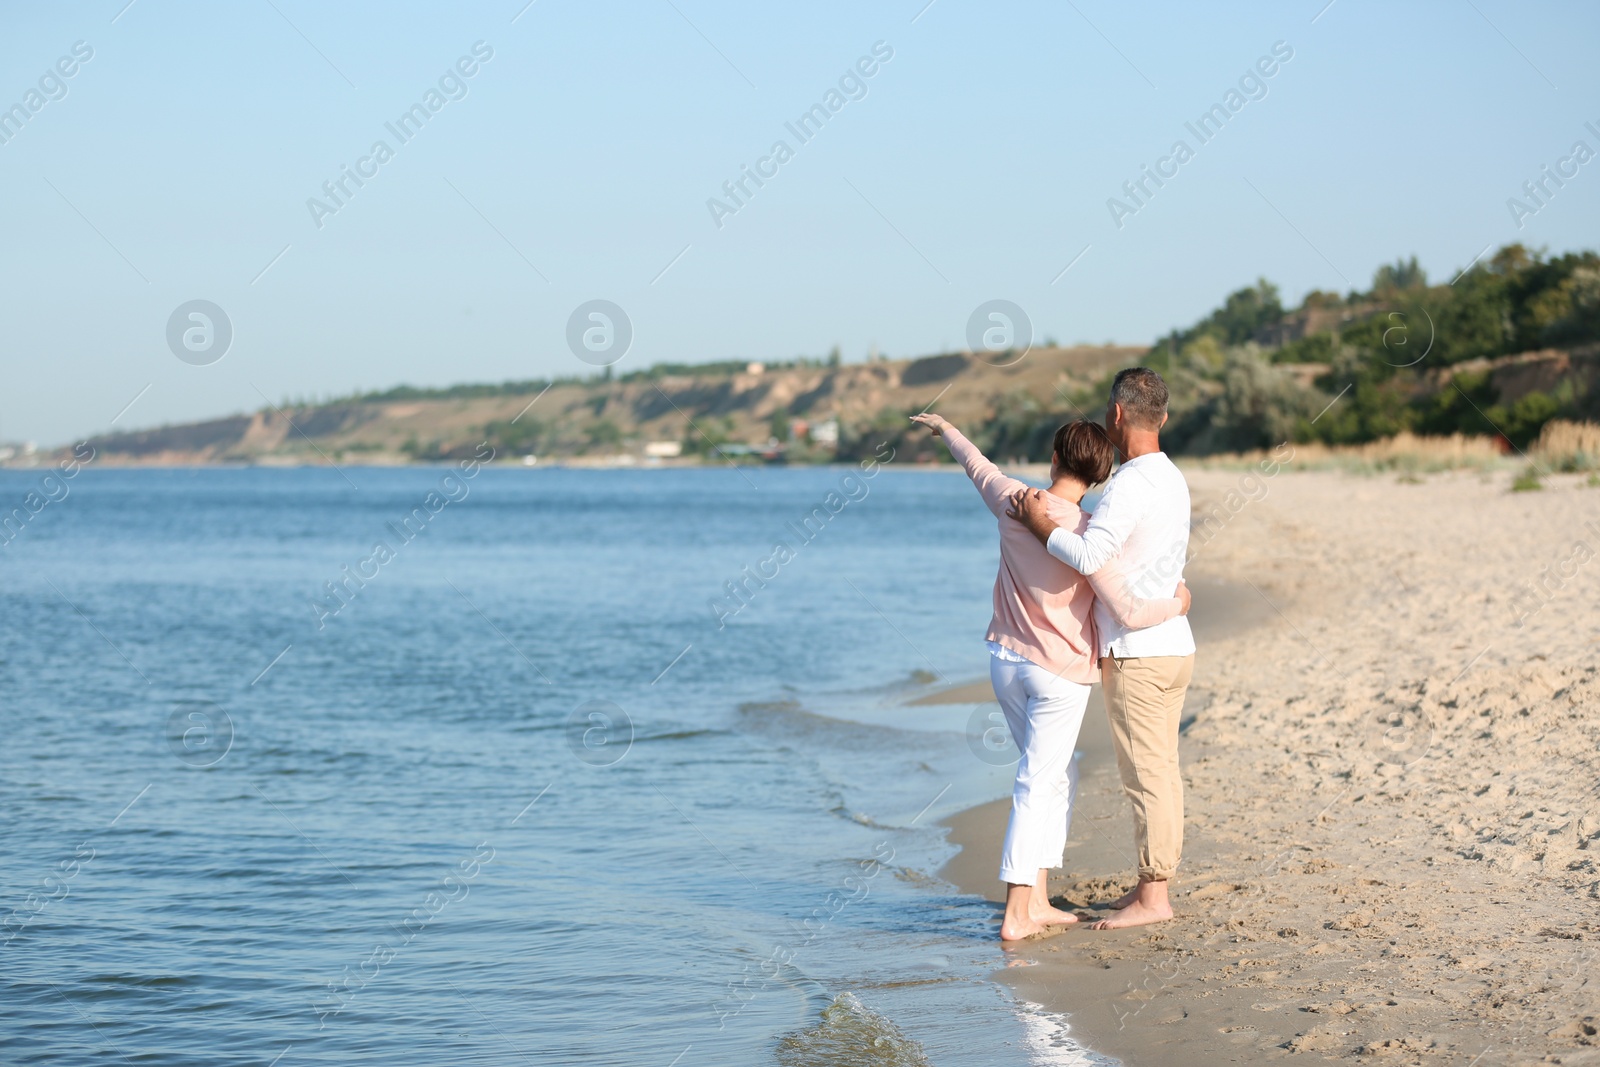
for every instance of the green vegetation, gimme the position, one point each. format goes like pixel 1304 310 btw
pixel 727 366
pixel 457 392
pixel 1527 481
pixel 707 435
pixel 435 451
pixel 533 386
pixel 1387 360
pixel 603 434
pixel 523 437
pixel 1404 356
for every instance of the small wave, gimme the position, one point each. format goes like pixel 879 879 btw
pixel 850 1034
pixel 921 879
pixel 1049 1042
pixel 790 720
pixel 753 706
pixel 679 735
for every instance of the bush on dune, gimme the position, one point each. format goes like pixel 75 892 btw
pixel 1359 367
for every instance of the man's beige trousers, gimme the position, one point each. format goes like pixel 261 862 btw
pixel 1144 701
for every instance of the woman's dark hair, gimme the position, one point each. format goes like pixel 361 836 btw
pixel 1083 450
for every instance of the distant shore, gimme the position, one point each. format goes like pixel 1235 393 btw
pixel 1390 788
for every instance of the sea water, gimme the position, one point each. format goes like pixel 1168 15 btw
pixel 490 766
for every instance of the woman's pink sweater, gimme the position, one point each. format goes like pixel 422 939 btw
pixel 1043 609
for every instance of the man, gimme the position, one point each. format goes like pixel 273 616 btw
pixel 1143 519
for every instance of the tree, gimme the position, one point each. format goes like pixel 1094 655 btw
pixel 1242 314
pixel 1401 274
pixel 1259 406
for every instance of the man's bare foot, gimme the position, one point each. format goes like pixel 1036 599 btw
pixel 1125 899
pixel 1147 903
pixel 1137 913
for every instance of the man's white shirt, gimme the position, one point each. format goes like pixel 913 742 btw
pixel 1142 520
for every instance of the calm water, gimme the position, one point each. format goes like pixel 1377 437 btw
pixel 519 799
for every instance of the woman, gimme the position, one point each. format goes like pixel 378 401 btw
pixel 1042 647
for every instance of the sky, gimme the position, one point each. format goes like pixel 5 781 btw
pixel 579 159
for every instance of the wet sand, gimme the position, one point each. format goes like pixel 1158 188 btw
pixel 1391 787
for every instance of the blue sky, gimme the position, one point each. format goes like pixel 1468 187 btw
pixel 579 162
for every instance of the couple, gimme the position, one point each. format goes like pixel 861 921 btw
pixel 1083 598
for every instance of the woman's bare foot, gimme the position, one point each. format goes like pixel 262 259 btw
pixel 1052 916
pixel 1020 928
pixel 1029 911
pixel 1137 913
pixel 1027 927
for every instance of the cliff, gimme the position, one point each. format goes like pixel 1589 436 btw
pixel 803 412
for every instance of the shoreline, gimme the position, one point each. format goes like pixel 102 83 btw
pixel 1391 826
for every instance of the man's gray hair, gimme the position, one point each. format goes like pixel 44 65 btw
pixel 1143 396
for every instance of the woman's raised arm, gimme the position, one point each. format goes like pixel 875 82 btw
pixel 995 488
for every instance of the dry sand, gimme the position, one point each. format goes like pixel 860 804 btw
pixel 1393 789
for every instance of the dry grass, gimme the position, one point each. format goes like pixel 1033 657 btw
pixel 1406 452
pixel 1562 446
pixel 1569 446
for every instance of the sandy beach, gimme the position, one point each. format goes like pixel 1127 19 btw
pixel 1391 762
